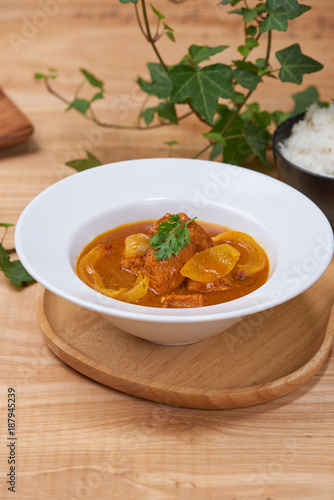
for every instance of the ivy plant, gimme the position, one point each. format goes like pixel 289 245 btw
pixel 12 269
pixel 218 94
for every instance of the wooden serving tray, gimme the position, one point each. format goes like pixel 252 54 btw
pixel 14 126
pixel 264 357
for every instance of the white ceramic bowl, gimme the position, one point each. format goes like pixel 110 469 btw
pixel 60 221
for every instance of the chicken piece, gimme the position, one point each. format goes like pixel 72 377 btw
pixel 164 275
pixel 215 286
pixel 132 264
pixel 195 300
pixel 201 239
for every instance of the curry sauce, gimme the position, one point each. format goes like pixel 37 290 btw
pixel 235 284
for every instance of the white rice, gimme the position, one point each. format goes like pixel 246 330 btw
pixel 311 143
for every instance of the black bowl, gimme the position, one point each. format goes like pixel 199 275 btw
pixel 319 188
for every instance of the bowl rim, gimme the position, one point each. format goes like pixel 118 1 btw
pixel 276 149
pixel 158 315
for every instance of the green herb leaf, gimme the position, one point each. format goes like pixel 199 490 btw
pixel 203 86
pixel 92 79
pixel 84 163
pixel 172 236
pixel 199 53
pixel 294 64
pixel 128 1
pixel 6 224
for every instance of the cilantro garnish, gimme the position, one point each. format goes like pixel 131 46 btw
pixel 172 236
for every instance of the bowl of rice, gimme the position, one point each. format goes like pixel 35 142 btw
pixel 303 149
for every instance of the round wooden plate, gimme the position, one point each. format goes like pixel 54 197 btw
pixel 264 357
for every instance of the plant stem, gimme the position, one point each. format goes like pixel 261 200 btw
pixel 139 22
pixel 268 48
pixel 149 35
pixel 236 113
pixel 76 94
pixel 95 120
pixel 202 151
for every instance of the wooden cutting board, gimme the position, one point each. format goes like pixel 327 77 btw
pixel 264 357
pixel 14 126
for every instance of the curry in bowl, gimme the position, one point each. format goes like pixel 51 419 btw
pixel 173 262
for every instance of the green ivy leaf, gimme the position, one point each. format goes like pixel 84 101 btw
pixel 251 43
pixel 157 13
pixel 170 35
pixel 243 50
pixel 215 136
pixel 216 150
pixel 288 5
pixel 98 95
pixel 247 79
pixel 199 53
pixel 280 117
pixel 232 2
pixel 248 15
pixel 92 79
pixel 13 270
pixel 294 64
pixel 165 110
pixel 251 30
pixel 81 105
pixel 304 99
pixel 246 65
pixel 52 75
pixel 243 138
pixel 202 86
pixel 84 163
pixel 278 19
pixel 160 85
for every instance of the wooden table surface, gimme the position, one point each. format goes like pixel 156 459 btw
pixel 77 439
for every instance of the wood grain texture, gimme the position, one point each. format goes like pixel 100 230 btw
pixel 14 126
pixel 77 439
pixel 260 359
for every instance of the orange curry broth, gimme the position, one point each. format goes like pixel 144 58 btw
pixel 115 277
